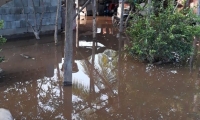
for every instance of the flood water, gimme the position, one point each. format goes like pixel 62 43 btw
pixel 108 84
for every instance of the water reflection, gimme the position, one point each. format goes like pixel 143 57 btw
pixel 125 90
pixel 107 86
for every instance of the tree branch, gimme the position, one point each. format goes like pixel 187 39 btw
pixel 175 7
pixel 41 17
pixel 30 25
pixel 79 10
pixel 34 14
pixel 26 18
pixel 128 16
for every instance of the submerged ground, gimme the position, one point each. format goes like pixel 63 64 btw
pixel 108 85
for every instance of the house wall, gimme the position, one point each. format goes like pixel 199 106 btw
pixel 16 13
pixel 2 2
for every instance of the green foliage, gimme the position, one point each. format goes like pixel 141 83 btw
pixel 157 37
pixel 2 40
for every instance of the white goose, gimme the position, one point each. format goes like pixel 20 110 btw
pixel 5 114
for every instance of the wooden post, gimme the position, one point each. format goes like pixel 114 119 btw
pixel 94 10
pixel 56 22
pixel 77 32
pixel 121 17
pixel 68 49
pixel 67 102
pixel 77 9
pixel 198 8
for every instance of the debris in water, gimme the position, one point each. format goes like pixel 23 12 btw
pixel 174 71
pixel 149 67
pixel 27 57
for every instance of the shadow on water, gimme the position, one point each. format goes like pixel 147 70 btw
pixel 108 85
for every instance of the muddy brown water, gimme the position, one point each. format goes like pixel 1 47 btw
pixel 107 86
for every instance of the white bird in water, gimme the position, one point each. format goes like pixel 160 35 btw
pixel 5 114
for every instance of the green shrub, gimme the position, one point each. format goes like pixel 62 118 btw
pixel 157 37
pixel 2 40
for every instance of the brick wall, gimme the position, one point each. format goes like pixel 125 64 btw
pixel 16 13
